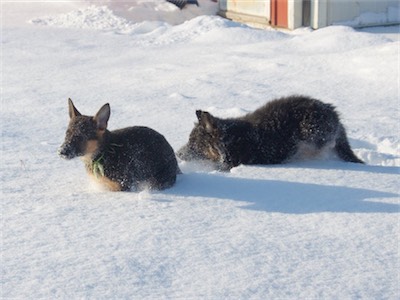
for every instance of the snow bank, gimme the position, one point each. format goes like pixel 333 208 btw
pixel 334 39
pixel 159 32
pixel 92 17
pixel 99 18
pixel 123 17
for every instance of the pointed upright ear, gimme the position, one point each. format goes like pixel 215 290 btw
pixel 73 112
pixel 206 120
pixel 102 117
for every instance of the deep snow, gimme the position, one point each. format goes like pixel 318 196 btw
pixel 318 230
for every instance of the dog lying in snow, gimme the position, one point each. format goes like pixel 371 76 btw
pixel 130 158
pixel 289 128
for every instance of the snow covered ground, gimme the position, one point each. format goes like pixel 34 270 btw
pixel 308 230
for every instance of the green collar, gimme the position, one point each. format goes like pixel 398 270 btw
pixel 97 167
pixel 97 164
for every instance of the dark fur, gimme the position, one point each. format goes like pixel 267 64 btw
pixel 124 159
pixel 272 134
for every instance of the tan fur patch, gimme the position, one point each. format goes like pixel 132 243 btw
pixel 106 182
pixel 212 153
pixel 91 147
pixel 100 133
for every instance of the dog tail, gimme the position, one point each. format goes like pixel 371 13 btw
pixel 343 149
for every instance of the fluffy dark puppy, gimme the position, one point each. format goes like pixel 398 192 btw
pixel 289 128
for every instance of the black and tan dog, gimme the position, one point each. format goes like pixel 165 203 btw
pixel 132 158
pixel 284 129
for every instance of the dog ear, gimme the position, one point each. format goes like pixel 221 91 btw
pixel 73 112
pixel 102 116
pixel 206 120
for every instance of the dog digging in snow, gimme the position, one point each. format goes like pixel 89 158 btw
pixel 283 130
pixel 132 158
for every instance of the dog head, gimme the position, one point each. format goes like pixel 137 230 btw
pixel 84 133
pixel 218 140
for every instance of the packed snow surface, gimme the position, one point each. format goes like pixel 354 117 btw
pixel 321 229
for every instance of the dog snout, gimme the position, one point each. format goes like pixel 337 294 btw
pixel 186 153
pixel 65 151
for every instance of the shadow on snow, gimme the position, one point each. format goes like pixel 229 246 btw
pixel 283 197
